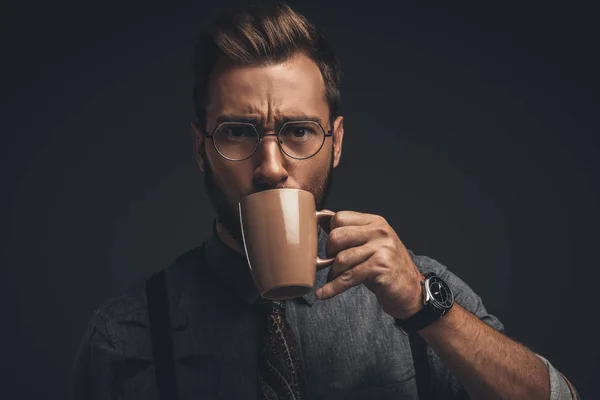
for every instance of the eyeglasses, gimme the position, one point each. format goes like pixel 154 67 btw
pixel 237 141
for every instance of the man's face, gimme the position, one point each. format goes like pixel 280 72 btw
pixel 268 94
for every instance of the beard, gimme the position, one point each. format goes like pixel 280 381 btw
pixel 227 207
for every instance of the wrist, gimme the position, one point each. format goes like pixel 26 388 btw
pixel 437 299
pixel 417 302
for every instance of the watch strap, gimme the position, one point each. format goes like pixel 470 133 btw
pixel 424 317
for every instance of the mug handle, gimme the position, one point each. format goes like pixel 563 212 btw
pixel 324 215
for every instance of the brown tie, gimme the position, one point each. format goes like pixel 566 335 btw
pixel 279 367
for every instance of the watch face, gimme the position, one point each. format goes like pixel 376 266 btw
pixel 440 292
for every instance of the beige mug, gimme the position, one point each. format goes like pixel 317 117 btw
pixel 280 233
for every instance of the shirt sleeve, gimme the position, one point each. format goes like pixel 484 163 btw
pixel 463 294
pixel 446 386
pixel 560 387
pixel 91 377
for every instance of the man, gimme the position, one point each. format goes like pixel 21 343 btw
pixel 381 322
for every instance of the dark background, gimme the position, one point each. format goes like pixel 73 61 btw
pixel 472 130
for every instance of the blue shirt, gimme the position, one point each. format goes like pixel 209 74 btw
pixel 350 348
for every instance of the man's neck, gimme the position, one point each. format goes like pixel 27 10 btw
pixel 228 239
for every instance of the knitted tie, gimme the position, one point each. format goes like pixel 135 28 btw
pixel 279 368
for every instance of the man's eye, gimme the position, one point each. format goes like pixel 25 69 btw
pixel 299 132
pixel 238 132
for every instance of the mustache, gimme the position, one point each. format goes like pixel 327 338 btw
pixel 261 187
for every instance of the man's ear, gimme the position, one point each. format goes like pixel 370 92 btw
pixel 338 138
pixel 198 138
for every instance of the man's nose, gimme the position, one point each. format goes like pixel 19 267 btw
pixel 270 169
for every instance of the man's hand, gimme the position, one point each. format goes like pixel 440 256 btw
pixel 367 250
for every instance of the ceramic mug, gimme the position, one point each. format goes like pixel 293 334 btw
pixel 280 233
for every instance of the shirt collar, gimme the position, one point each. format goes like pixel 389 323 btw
pixel 233 271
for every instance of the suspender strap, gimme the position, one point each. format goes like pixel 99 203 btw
pixel 418 347
pixel 160 333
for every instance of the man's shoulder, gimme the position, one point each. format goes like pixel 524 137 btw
pixel 463 293
pixel 426 264
pixel 119 327
pixel 130 303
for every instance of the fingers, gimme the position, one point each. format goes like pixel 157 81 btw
pixel 353 239
pixel 347 218
pixel 349 258
pixel 349 278
pixel 345 237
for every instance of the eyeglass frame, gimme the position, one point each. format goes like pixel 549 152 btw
pixel 260 135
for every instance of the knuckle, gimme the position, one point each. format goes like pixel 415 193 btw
pixel 380 258
pixel 333 244
pixel 380 279
pixel 342 258
pixel 387 252
pixel 347 275
pixel 334 236
pixel 381 230
pixel 379 220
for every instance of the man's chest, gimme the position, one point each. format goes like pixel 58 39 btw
pixel 349 349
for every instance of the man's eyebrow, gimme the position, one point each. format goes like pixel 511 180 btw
pixel 299 117
pixel 251 119
pixel 258 121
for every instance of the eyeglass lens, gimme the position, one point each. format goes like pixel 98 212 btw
pixel 238 141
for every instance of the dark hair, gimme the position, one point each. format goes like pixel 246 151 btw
pixel 262 35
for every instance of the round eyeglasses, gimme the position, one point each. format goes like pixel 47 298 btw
pixel 237 141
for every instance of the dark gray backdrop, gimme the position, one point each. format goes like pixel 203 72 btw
pixel 473 131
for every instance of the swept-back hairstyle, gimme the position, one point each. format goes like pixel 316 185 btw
pixel 261 35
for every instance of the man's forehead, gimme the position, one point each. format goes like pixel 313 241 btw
pixel 250 88
pixel 266 107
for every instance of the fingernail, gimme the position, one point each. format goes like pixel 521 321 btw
pixel 319 293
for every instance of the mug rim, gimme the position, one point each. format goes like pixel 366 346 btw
pixel 276 189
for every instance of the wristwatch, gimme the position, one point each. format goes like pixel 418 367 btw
pixel 437 300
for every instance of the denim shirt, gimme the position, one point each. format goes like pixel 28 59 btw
pixel 350 348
